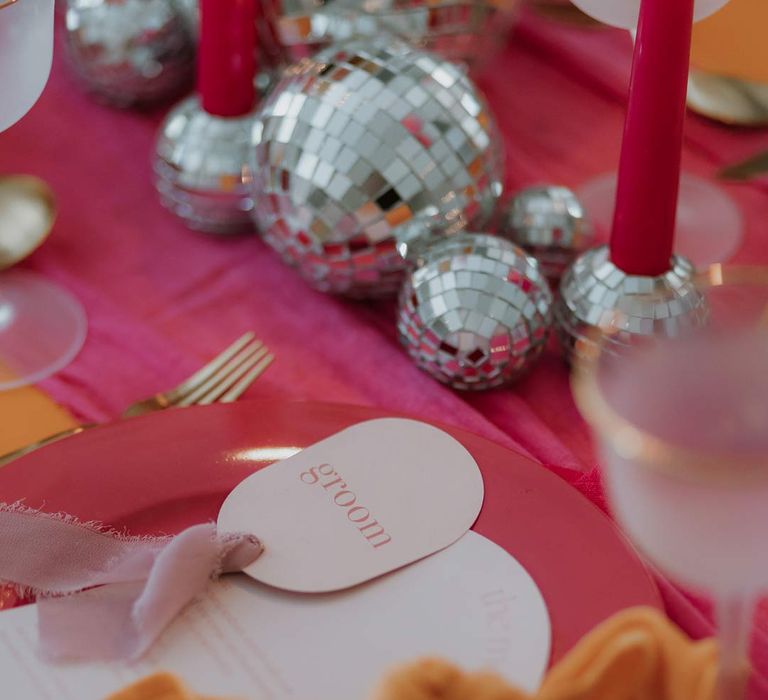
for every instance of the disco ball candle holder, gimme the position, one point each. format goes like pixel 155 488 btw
pixel 203 148
pixel 549 223
pixel 595 295
pixel 200 171
pixel 134 52
pixel 466 31
pixel 363 139
pixel 477 313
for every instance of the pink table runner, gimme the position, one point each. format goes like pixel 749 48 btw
pixel 161 299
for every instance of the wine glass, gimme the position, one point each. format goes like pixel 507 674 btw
pixel 623 13
pixel 682 428
pixel 42 327
pixel 26 51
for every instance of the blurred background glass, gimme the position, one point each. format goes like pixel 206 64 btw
pixel 682 429
pixel 26 51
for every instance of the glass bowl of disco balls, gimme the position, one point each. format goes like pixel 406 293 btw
pixel 466 31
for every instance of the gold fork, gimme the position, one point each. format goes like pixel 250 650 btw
pixel 222 380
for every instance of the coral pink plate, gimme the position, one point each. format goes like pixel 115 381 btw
pixel 163 472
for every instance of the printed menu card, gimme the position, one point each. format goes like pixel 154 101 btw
pixel 471 603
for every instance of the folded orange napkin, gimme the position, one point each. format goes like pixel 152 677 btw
pixel 161 686
pixel 637 654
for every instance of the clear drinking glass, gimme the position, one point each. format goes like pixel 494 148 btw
pixel 682 428
pixel 42 327
pixel 26 51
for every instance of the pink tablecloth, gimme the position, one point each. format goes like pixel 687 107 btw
pixel 161 299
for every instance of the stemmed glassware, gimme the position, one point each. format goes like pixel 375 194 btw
pixel 42 327
pixel 26 51
pixel 682 428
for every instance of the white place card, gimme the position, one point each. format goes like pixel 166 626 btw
pixel 471 603
pixel 363 502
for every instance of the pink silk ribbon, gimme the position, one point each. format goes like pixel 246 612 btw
pixel 101 594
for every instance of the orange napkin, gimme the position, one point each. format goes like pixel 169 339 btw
pixel 161 686
pixel 637 654
pixel 28 415
pixel 734 41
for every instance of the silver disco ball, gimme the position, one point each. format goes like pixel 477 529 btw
pixel 467 31
pixel 477 313
pixel 550 223
pixel 132 52
pixel 190 11
pixel 361 140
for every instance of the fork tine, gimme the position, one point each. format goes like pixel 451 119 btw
pixel 232 379
pixel 205 373
pixel 237 390
pixel 224 373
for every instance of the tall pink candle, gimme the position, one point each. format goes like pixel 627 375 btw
pixel 649 172
pixel 227 56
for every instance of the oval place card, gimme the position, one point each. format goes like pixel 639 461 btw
pixel 365 501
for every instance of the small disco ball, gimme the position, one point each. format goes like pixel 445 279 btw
pixel 477 313
pixel 466 31
pixel 133 52
pixel 363 139
pixel 549 223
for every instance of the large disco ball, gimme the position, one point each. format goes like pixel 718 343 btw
pixel 363 139
pixel 477 313
pixel 462 30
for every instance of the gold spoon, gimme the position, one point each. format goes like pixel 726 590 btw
pixel 728 100
pixel 27 213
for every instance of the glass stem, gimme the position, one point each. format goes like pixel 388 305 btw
pixel 734 618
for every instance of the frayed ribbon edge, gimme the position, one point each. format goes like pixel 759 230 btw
pixel 227 541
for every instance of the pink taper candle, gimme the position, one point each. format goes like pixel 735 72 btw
pixel 649 173
pixel 227 56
